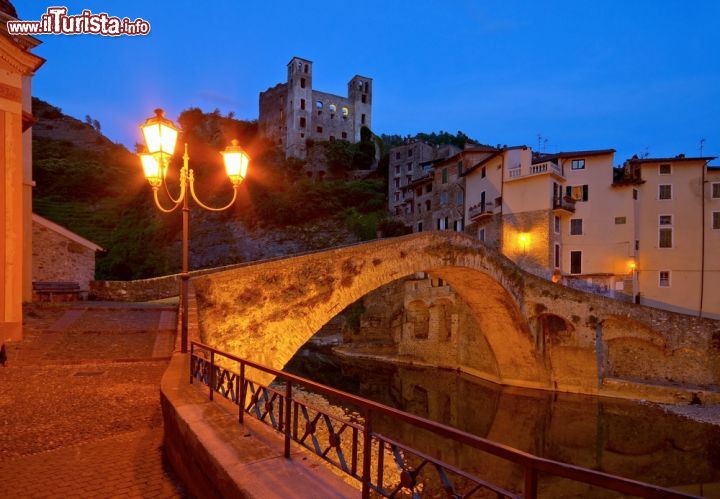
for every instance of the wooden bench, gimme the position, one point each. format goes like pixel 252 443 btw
pixel 56 291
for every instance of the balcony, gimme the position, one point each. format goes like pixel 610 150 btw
pixel 547 166
pixel 536 169
pixel 480 211
pixel 565 203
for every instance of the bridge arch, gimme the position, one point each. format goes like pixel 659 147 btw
pixel 267 311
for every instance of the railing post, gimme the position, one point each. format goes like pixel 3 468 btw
pixel 241 396
pixel 288 409
pixel 192 352
pixel 367 449
pixel 211 378
pixel 530 489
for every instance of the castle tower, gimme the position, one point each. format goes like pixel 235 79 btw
pixel 360 94
pixel 299 106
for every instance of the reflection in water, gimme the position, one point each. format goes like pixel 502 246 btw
pixel 616 436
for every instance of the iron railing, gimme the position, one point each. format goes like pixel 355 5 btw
pixel 359 451
pixel 564 203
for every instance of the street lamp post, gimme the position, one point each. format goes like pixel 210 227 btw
pixel 160 136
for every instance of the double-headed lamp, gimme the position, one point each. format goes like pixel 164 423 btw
pixel 236 162
pixel 160 136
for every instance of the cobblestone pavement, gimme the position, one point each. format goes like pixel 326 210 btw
pixel 79 404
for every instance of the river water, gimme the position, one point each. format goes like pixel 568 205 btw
pixel 626 438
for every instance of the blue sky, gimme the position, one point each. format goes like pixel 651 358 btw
pixel 636 76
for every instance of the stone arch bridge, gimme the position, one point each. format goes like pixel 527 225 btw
pixel 536 333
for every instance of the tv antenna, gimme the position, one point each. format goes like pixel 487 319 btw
pixel 702 146
pixel 542 143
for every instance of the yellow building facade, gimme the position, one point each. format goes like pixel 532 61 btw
pixel 17 67
pixel 678 233
pixel 633 234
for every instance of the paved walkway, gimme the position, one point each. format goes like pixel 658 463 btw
pixel 79 403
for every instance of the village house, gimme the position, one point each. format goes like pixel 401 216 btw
pixel 637 234
pixel 60 255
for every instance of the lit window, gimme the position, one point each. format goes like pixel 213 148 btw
pixel 332 108
pixel 319 104
pixel 665 191
pixel 665 237
pixel 665 169
pixel 578 164
pixel 664 279
pixel 576 227
pixel 345 111
pixel 578 192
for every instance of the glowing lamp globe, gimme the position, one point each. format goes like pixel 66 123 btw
pixel 160 135
pixel 152 169
pixel 236 162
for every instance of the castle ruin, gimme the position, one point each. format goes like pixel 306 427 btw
pixel 292 113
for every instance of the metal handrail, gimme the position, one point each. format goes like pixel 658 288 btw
pixel 532 464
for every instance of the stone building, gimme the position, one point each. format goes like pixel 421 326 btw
pixel 61 255
pixel 409 163
pixel 436 200
pixel 292 113
pixel 18 65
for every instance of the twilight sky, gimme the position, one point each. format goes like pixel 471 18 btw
pixel 633 75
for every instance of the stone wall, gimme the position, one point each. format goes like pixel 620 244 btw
pixel 138 290
pixel 536 251
pixel 57 258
